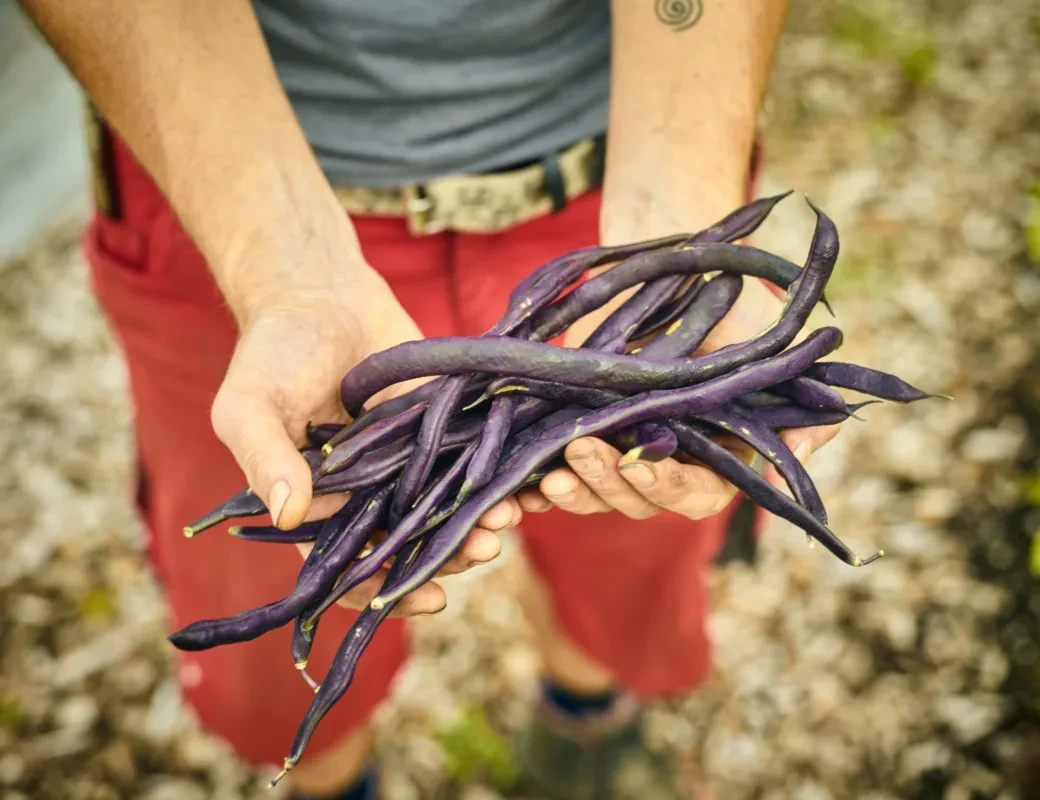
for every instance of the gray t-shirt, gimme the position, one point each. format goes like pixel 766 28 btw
pixel 391 92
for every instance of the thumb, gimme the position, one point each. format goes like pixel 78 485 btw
pixel 806 441
pixel 252 429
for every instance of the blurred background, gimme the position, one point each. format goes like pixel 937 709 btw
pixel 916 125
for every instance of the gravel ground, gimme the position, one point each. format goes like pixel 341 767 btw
pixel 917 127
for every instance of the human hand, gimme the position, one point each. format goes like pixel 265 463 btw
pixel 595 482
pixel 293 350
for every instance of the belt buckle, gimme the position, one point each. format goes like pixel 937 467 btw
pixel 418 211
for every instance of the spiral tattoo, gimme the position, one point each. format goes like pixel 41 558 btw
pixel 679 14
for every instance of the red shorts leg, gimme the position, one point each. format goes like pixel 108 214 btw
pixel 177 338
pixel 631 594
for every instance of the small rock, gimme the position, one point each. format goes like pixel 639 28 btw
pixel 118 760
pixel 856 664
pixel 920 758
pixel 12 767
pixel 992 445
pixel 164 713
pixel 971 717
pixel 31 610
pixel 196 751
pixel 810 790
pixel 935 504
pixel 174 789
pixel 77 714
pixel 479 793
pixel 397 785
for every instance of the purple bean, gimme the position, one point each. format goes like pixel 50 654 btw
pixel 767 443
pixel 621 326
pixel 868 381
pixel 811 394
pixel 762 492
pixel 427 444
pixel 589 368
pixel 492 441
pixel 689 331
pixel 250 624
pixel 793 416
pixel 410 524
pixel 653 442
pixel 318 435
pixel 374 436
pixel 306 532
pixel 687 260
pixel 667 314
pixel 243 504
pixel 645 407
pixel 386 409
pixel 341 672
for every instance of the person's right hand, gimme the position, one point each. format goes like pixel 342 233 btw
pixel 293 350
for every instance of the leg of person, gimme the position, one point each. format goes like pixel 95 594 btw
pixel 177 338
pixel 618 606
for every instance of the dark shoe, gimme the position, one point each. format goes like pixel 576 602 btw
pixel 600 758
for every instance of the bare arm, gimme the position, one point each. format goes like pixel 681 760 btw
pixel 687 81
pixel 192 90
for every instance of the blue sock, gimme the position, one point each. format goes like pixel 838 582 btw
pixel 366 788
pixel 577 705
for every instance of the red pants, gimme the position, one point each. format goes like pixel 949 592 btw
pixel 631 594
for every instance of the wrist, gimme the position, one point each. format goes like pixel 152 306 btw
pixel 302 253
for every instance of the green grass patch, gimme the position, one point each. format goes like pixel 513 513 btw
pixel 474 749
pixel 11 713
pixel 880 35
pixel 858 274
pixel 1032 227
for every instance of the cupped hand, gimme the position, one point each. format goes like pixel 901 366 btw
pixel 596 483
pixel 285 372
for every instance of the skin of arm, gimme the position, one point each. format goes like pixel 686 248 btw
pixel 687 82
pixel 192 90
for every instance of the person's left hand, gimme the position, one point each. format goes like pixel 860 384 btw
pixel 640 489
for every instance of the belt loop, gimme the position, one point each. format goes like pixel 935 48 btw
pixel 554 186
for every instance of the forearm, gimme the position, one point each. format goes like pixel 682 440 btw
pixel 191 88
pixel 683 111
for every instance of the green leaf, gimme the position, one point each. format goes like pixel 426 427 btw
pixel 473 748
pixel 1034 555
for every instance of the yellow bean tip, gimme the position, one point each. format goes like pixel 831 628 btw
pixel 326 449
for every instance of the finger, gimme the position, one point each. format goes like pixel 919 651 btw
pixel 506 514
pixel 427 599
pixel 693 491
pixel 250 426
pixel 325 506
pixel 566 491
pixel 532 501
pixel 806 441
pixel 480 547
pixel 596 463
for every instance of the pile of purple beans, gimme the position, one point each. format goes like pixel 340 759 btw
pixel 425 466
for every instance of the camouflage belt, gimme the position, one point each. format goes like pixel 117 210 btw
pixel 485 203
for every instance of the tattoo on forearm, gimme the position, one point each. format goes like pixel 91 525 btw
pixel 679 14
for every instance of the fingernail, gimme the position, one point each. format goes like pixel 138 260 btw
pixel 567 497
pixel 279 497
pixel 438 611
pixel 639 474
pixel 803 451
pixel 588 465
